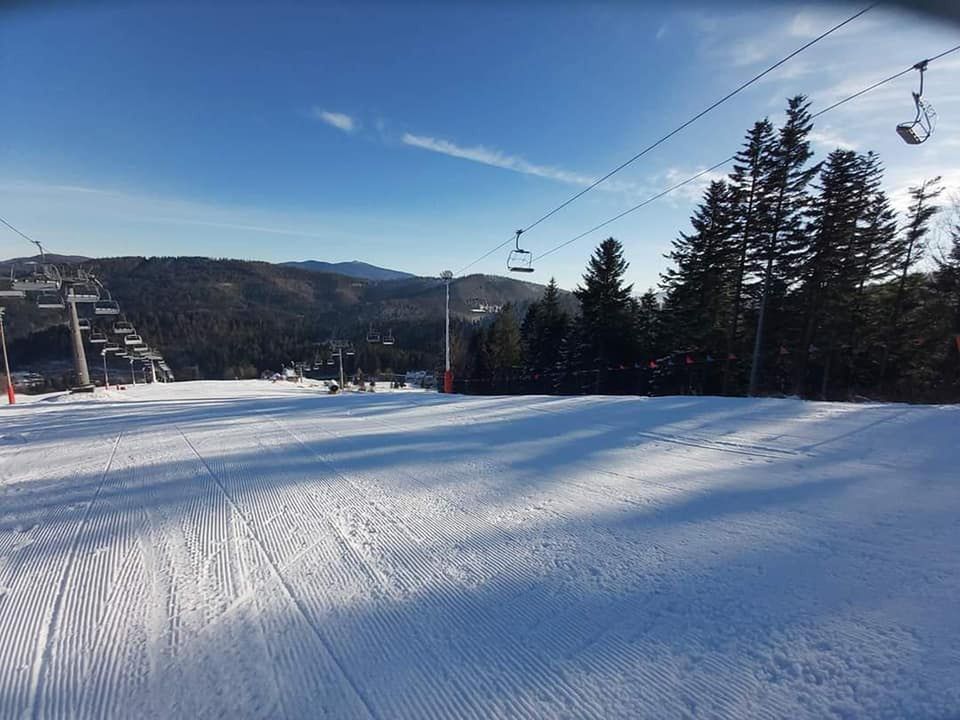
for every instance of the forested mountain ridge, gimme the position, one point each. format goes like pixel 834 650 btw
pixel 220 317
pixel 353 268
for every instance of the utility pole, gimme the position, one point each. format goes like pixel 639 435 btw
pixel 447 276
pixel 11 397
pixel 106 378
pixel 133 374
pixel 79 356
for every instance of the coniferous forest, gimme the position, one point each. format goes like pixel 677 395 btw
pixel 796 277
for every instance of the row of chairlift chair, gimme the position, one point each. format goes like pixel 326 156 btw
pixel 374 336
pixel 53 292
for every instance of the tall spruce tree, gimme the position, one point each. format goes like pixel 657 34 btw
pixel 605 310
pixel 697 285
pixel 869 261
pixel 502 342
pixel 947 282
pixel 910 252
pixel 649 326
pixel 749 182
pixel 786 193
pixel 543 330
pixel 831 229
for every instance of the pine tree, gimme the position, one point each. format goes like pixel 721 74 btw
pixel 502 342
pixel 910 252
pixel 947 284
pixel 786 193
pixel 544 327
pixel 697 285
pixel 649 330
pixel 605 310
pixel 872 253
pixel 831 229
pixel 749 181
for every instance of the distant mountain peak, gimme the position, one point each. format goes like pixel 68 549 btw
pixel 354 268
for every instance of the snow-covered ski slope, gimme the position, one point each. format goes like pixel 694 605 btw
pixel 250 550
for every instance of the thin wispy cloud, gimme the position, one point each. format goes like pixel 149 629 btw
pixel 259 229
pixel 340 121
pixel 829 139
pixel 494 158
pixel 693 191
pixel 514 163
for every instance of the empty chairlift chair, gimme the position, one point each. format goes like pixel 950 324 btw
pixel 83 325
pixel 373 336
pixel 122 327
pixel 388 338
pixel 50 301
pixel 519 260
pixel 7 290
pixel 98 338
pixel 82 292
pixel 36 277
pixel 921 127
pixel 132 339
pixel 106 307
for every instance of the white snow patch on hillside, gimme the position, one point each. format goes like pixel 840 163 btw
pixel 251 549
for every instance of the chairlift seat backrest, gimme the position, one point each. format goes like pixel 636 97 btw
pixel 908 131
pixel 50 301
pixel 520 261
pixel 106 307
pixel 83 293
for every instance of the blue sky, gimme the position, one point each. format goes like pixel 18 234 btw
pixel 418 136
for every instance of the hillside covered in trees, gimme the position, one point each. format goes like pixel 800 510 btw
pixel 224 318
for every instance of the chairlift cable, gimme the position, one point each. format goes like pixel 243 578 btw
pixel 720 164
pixel 637 207
pixel 716 104
pixel 877 84
pixel 700 114
pixel 18 232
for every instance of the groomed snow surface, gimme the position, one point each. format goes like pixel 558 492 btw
pixel 257 550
